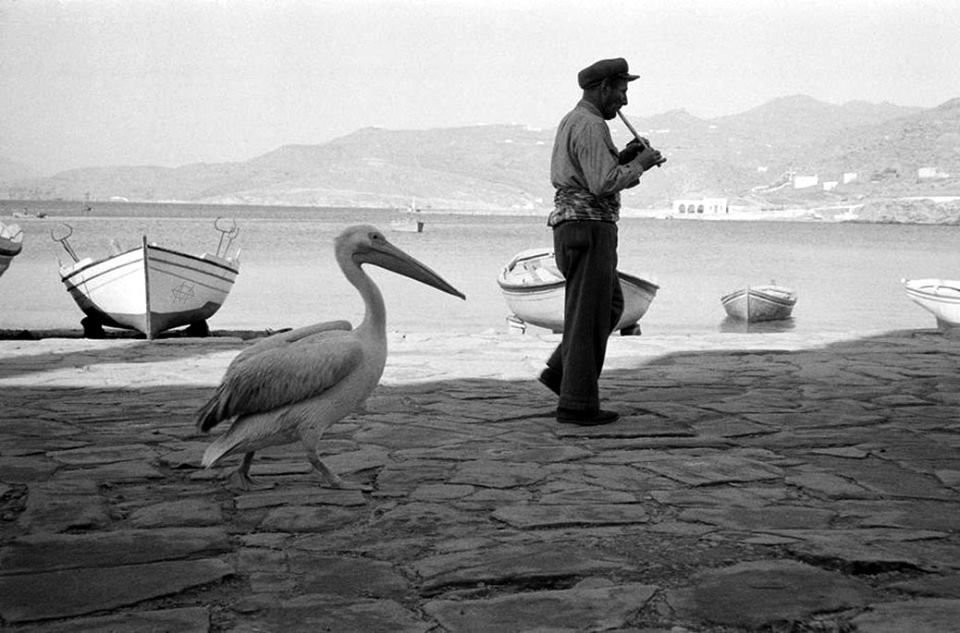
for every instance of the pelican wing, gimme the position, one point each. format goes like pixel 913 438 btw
pixel 282 375
pixel 282 339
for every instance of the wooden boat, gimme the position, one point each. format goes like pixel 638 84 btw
pixel 534 291
pixel 11 243
pixel 940 297
pixel 410 220
pixel 151 289
pixel 26 215
pixel 760 303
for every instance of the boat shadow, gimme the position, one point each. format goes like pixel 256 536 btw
pixel 167 346
pixel 731 325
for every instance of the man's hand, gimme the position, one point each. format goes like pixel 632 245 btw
pixel 631 151
pixel 650 158
pixel 640 147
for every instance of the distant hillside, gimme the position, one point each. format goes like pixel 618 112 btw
pixel 12 171
pixel 742 157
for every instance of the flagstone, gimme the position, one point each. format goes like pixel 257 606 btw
pixel 59 505
pixel 947 586
pixel 497 474
pixel 930 615
pixel 761 593
pixel 114 471
pixel 598 608
pixel 722 496
pixel 59 594
pixel 348 577
pixel 763 518
pixel 590 494
pixel 312 613
pixel 26 469
pixel 852 452
pixel 713 469
pixel 529 516
pixel 307 519
pixel 920 514
pixel 651 427
pixel 182 512
pixel 104 454
pixel 885 477
pixel 949 477
pixel 305 496
pixel 879 556
pixel 46 552
pixel 439 492
pixel 518 563
pixel 830 485
pixel 178 620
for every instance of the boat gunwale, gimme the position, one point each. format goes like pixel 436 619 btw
pixel 549 286
pixel 756 293
pixel 139 249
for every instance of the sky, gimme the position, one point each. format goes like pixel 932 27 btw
pixel 172 82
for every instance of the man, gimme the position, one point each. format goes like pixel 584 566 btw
pixel 588 174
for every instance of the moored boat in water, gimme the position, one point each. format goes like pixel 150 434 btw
pixel 939 297
pixel 409 221
pixel 760 303
pixel 151 288
pixel 11 243
pixel 533 289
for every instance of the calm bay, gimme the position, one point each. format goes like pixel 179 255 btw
pixel 847 275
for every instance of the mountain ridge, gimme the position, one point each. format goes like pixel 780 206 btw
pixel 506 166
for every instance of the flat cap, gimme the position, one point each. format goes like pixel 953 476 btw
pixel 595 73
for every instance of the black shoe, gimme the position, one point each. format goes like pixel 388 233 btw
pixel 588 417
pixel 551 380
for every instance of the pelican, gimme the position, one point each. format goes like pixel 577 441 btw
pixel 292 386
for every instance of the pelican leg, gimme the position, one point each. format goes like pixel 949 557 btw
pixel 329 477
pixel 241 478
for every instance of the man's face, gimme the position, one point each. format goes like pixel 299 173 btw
pixel 613 96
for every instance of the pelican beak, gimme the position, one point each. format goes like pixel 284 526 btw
pixel 386 255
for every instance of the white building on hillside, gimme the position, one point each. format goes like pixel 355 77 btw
pixel 802 182
pixel 931 172
pixel 701 206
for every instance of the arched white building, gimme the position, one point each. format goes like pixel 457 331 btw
pixel 701 206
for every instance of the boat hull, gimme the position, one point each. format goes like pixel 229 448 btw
pixel 538 299
pixel 11 243
pixel 939 297
pixel 407 227
pixel 5 263
pixel 150 289
pixel 760 303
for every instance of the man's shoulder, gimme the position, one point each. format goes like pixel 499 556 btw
pixel 582 116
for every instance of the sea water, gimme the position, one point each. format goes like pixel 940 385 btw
pixel 847 276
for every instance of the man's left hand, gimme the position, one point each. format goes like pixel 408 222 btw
pixel 631 151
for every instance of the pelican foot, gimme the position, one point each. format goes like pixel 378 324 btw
pixel 243 481
pixel 329 479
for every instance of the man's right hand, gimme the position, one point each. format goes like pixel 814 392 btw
pixel 650 158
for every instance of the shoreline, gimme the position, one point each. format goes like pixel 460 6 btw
pixel 904 209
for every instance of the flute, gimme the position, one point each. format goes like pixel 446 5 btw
pixel 636 135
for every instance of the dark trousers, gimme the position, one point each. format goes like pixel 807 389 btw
pixel 586 254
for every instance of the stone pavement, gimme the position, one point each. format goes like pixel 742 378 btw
pixel 775 482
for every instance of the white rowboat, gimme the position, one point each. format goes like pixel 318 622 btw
pixel 940 297
pixel 11 243
pixel 533 289
pixel 150 289
pixel 760 303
